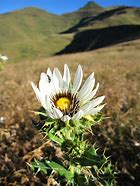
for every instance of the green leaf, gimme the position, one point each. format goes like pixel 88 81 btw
pixel 89 117
pixel 55 139
pixel 98 117
pixel 92 151
pixel 47 123
pixel 40 113
pixel 61 170
pixel 39 166
pixel 90 158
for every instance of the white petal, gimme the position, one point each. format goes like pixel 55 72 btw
pixel 43 99
pixel 55 81
pixel 36 90
pixel 97 101
pixel 50 114
pixel 77 79
pixel 87 86
pixel 57 77
pixel 86 107
pixel 49 72
pixel 44 102
pixel 65 118
pixel 57 113
pixel 94 111
pixel 66 77
pixel 92 94
pixel 47 104
pixel 4 58
pixel 40 97
pixel 43 83
pixel 89 95
pixel 78 115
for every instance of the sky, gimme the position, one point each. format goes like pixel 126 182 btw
pixel 60 6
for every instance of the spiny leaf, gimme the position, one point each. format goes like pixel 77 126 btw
pixel 55 139
pixel 39 166
pixel 61 170
pixel 39 113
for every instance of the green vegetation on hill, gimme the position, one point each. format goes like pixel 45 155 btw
pixel 113 17
pixel 33 33
pixel 89 10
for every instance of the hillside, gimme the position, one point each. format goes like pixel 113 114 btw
pixel 32 33
pixel 92 39
pixel 113 17
pixel 27 33
pixel 112 26
pixel 116 68
pixel 90 9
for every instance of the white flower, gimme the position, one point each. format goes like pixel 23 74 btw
pixel 4 58
pixel 2 119
pixel 65 100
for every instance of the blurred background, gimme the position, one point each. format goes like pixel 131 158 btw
pixel 102 36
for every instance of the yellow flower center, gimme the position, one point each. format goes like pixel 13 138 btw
pixel 63 103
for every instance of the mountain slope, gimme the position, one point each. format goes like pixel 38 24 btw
pixel 30 20
pixel 110 27
pixel 90 9
pixel 33 33
pixel 115 16
pixel 96 38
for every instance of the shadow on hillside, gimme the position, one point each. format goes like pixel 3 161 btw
pixel 100 17
pixel 97 38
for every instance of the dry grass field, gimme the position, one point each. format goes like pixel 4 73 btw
pixel 117 69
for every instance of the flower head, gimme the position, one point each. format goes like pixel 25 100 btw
pixel 65 100
pixel 2 120
pixel 4 58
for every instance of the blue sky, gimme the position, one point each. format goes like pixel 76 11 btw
pixel 59 6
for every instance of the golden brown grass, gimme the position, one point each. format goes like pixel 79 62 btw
pixel 118 71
